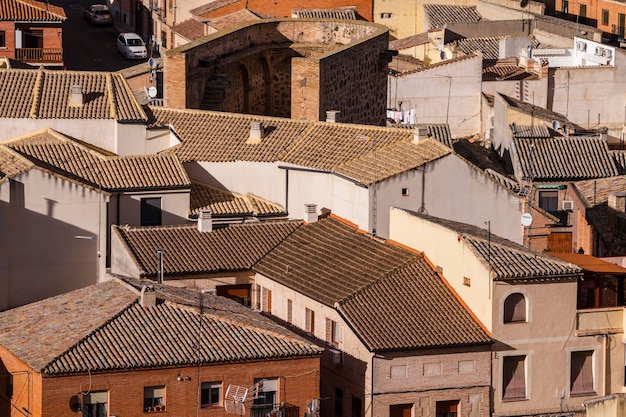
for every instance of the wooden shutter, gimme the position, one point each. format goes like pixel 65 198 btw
pixel 309 324
pixel 515 308
pixel 329 330
pixel 582 373
pixel 514 377
pixel 289 311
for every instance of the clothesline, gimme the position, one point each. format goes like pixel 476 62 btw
pixel 404 117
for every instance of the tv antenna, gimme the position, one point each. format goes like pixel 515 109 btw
pixel 237 395
pixel 313 408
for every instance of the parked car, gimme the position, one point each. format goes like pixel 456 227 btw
pixel 131 46
pixel 99 14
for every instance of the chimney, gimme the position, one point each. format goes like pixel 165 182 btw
pixel 256 133
pixel 420 133
pixel 160 265
pixel 148 297
pixel 332 116
pixel 310 213
pixel 76 96
pixel 617 201
pixel 205 221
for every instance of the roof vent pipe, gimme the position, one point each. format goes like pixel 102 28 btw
pixel 310 213
pixel 160 266
pixel 256 132
pixel 76 96
pixel 205 221
pixel 420 133
pixel 332 116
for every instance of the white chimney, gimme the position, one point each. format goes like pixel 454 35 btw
pixel 332 116
pixel 310 213
pixel 205 221
pixel 617 201
pixel 256 133
pixel 419 134
pixel 148 297
pixel 76 96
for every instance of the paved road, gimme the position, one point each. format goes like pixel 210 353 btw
pixel 87 47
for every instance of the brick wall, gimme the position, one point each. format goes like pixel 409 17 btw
pixel 298 69
pixel 298 383
pixel 8 50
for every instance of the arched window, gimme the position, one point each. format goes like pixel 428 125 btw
pixel 515 308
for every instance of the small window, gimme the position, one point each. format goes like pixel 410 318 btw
pixel 386 15
pixel 515 308
pixel 95 404
pixel 581 376
pixel 405 192
pixel 565 6
pixel 467 282
pixel 309 324
pixel 333 332
pixel 447 408
pixel 583 10
pixel 289 311
pixel 549 200
pixel 257 296
pixel 151 211
pixel 3 39
pixel 154 399
pixel 605 17
pixel 163 39
pixel 338 401
pixel 401 410
pixel 211 394
pixel 514 378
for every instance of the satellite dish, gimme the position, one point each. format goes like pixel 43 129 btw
pixel 556 125
pixel 152 62
pixel 442 55
pixel 527 219
pixel 75 404
pixel 440 46
pixel 152 92
pixel 523 3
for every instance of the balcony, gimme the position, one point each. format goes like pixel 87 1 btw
pixel 40 55
pixel 600 321
pixel 283 410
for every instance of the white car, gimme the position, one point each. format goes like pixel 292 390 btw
pixel 131 46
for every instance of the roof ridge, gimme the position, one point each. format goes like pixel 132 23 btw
pixel 36 95
pixel 112 100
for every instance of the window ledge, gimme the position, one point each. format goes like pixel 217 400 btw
pixel 582 394
pixel 508 400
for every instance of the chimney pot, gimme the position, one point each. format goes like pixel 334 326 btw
pixel 617 201
pixel 256 132
pixel 332 116
pixel 148 297
pixel 205 221
pixel 310 213
pixel 419 134
pixel 76 96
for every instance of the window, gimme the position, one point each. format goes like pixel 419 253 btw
pixel 289 311
pixel 386 15
pixel 405 192
pixel 549 200
pixel 151 211
pixel 447 408
pixel 583 10
pixel 3 39
pixel 515 308
pixel 338 401
pixel 211 394
pixel 467 281
pixel 513 378
pixel 333 332
pixel 400 410
pixel 309 318
pixel 267 391
pixel 581 376
pixel 154 399
pixel 605 17
pixel 565 6
pixel 163 39
pixel 95 404
pixel 266 300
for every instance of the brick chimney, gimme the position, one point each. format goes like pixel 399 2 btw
pixel 617 201
pixel 148 297
pixel 332 116
pixel 76 96
pixel 205 221
pixel 310 213
pixel 256 133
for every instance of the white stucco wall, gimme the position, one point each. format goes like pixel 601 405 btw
pixel 174 207
pixel 133 139
pixel 41 216
pixel 443 94
pixel 534 91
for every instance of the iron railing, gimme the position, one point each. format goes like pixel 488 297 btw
pixel 271 410
pixel 42 55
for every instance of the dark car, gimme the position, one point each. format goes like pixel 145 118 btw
pixel 98 14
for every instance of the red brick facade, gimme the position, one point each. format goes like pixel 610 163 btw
pixel 609 15
pixel 49 47
pixel 298 383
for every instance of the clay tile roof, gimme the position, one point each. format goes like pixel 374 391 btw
pixel 345 13
pixel 120 334
pixel 506 259
pixel 440 14
pixel 329 260
pixel 489 46
pixel 414 309
pixel 440 132
pixel 12 163
pixel 60 154
pixel 187 250
pixel 409 41
pixel 620 160
pixel 45 94
pixel 497 71
pixel 31 11
pixel 525 131
pixel 190 29
pixel 234 18
pixel 565 158
pixel 596 191
pixel 432 66
pixel 228 204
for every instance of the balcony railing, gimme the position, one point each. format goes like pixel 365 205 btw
pixel 40 55
pixel 265 410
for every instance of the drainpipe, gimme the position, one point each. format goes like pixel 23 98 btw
pixel 372 387
pixel 604 363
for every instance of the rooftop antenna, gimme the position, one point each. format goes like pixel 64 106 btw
pixel 236 396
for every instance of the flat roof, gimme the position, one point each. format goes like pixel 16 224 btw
pixel 590 263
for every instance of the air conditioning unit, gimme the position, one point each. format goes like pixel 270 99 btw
pixel 607 53
pixel 568 205
pixel 599 51
pixel 336 357
pixel 581 46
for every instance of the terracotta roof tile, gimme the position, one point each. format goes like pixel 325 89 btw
pixel 213 6
pixel 414 309
pixel 190 29
pixel 344 13
pixel 488 46
pixel 596 191
pixel 59 153
pixel 620 160
pixel 45 94
pixel 118 333
pixel 566 158
pixel 234 248
pixel 409 41
pixel 440 14
pixel 496 71
pixel 31 11
pixel 506 259
pixel 226 203
pixel 234 18
pixel 12 163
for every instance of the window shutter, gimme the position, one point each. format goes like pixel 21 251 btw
pixel 515 308
pixel 329 330
pixel 514 378
pixel 582 372
pixel 257 296
pixel 289 311
pixel 264 299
